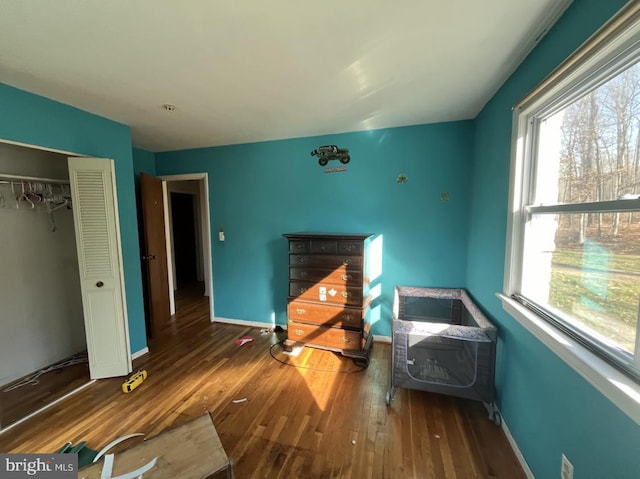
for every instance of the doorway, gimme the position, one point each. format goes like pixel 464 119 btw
pixel 163 224
pixel 186 254
pixel 188 237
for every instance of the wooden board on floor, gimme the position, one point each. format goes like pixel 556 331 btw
pixel 191 450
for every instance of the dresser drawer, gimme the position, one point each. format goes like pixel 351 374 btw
pixel 324 336
pixel 349 247
pixel 325 314
pixel 324 246
pixel 326 292
pixel 339 275
pixel 299 246
pixel 326 261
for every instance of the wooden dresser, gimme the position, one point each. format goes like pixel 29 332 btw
pixel 329 293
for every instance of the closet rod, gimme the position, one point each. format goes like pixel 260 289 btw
pixel 35 179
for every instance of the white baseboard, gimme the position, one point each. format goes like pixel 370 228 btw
pixel 381 339
pixel 137 354
pixel 243 322
pixel 516 450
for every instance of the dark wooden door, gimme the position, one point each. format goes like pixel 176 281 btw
pixel 155 254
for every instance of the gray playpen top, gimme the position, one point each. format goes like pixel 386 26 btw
pixel 483 331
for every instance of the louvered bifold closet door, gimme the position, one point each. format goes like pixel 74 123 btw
pixel 98 243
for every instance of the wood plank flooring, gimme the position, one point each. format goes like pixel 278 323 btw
pixel 316 417
pixel 50 386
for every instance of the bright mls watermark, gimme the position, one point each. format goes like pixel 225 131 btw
pixel 48 466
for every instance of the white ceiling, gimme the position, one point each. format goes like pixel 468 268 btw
pixel 260 70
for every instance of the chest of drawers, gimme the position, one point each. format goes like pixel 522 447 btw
pixel 328 294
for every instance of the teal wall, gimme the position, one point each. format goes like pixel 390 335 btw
pixel 143 162
pixel 549 408
pixel 38 121
pixel 259 191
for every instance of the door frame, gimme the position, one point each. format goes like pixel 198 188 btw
pixel 205 227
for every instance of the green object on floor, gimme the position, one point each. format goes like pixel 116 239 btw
pixel 85 455
pixel 64 448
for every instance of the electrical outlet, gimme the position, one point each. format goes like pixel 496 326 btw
pixel 566 468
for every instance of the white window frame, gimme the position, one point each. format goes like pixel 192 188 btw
pixel 603 56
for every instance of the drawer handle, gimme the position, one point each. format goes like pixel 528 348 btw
pixel 346 277
pixel 299 332
pixel 346 261
pixel 299 246
pixel 348 248
pixel 347 317
pixel 346 340
pixel 300 310
pixel 346 294
pixel 303 274
pixel 323 247
pixel 302 259
pixel 302 290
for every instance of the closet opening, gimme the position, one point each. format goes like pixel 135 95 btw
pixel 43 347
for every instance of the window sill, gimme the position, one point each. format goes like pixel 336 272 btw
pixel 614 385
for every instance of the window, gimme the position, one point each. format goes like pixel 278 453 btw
pixel 574 247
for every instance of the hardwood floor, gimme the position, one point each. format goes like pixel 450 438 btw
pixel 18 403
pixel 297 421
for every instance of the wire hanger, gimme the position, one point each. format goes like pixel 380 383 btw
pixel 45 194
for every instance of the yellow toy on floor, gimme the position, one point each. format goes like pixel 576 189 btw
pixel 134 381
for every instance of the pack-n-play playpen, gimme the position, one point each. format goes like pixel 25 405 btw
pixel 442 343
